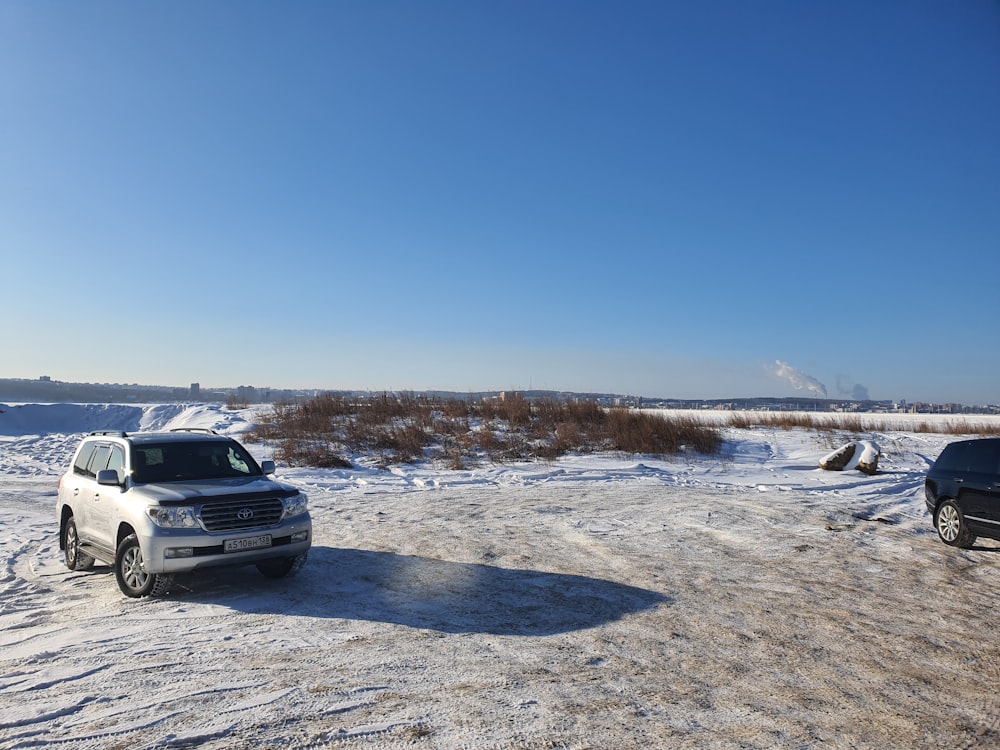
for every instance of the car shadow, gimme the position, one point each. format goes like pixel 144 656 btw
pixel 981 548
pixel 422 592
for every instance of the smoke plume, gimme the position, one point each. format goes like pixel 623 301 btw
pixel 847 387
pixel 798 379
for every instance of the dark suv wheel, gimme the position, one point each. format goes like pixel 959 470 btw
pixel 951 526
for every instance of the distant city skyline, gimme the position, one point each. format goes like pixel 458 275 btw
pixel 18 389
pixel 686 200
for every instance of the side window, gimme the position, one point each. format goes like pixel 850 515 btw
pixel 99 460
pixel 954 457
pixel 117 461
pixel 983 458
pixel 80 465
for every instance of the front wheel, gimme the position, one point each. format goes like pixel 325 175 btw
pixel 73 556
pixel 951 525
pixel 132 577
pixel 282 566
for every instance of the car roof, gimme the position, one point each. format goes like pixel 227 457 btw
pixel 976 440
pixel 168 436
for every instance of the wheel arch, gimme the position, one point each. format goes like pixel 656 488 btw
pixel 65 513
pixel 124 529
pixel 941 500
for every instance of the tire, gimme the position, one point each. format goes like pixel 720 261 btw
pixel 132 579
pixel 951 526
pixel 73 556
pixel 281 567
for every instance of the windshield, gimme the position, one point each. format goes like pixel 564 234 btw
pixel 172 462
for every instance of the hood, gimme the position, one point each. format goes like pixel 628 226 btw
pixel 205 490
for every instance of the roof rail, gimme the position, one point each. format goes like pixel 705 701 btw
pixel 194 429
pixel 113 433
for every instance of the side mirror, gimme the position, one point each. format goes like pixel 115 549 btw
pixel 108 477
pixel 267 467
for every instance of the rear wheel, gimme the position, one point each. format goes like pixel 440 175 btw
pixel 132 577
pixel 951 525
pixel 282 566
pixel 74 558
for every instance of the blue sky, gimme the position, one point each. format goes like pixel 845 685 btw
pixel 657 198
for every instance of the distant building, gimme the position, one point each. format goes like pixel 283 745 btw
pixel 247 394
pixel 195 391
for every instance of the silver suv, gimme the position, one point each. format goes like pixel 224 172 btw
pixel 152 504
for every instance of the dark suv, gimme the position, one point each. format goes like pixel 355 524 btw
pixel 962 491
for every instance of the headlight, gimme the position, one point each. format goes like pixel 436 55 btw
pixel 295 505
pixel 181 517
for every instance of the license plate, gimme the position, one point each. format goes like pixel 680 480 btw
pixel 249 542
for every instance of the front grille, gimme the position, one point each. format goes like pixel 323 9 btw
pixel 233 513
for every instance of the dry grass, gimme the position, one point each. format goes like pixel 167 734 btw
pixel 403 428
pixel 859 423
pixel 234 402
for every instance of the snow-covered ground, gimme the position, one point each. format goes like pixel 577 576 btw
pixel 749 600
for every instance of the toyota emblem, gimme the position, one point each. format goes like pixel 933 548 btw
pixel 244 514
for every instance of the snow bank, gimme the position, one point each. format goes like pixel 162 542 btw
pixel 48 419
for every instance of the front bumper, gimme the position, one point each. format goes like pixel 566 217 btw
pixel 182 550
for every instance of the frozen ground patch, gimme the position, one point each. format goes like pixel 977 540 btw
pixel 749 600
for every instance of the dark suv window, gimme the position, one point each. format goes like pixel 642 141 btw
pixel 984 457
pixel 976 456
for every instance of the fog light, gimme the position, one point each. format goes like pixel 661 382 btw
pixel 300 536
pixel 179 552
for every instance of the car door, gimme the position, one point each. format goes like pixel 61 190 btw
pixel 102 498
pixel 76 490
pixel 980 491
